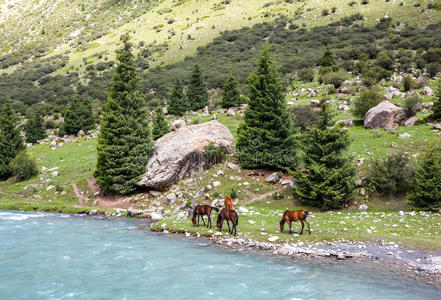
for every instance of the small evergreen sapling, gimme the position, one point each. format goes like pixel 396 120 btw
pixel 197 94
pixel 177 101
pixel 231 96
pixel 160 124
pixel 436 108
pixel 34 128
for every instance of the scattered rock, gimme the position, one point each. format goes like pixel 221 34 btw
pixel 392 92
pixel 133 212
pixel 156 216
pixel 230 112
pixel 165 110
pixel 273 178
pixel 427 91
pixel 155 193
pixel 216 184
pixel 170 199
pixel 404 136
pixel 383 115
pixel 411 121
pixel 347 123
pixel 437 126
pixel 54 174
pixel 243 209
pixel 363 207
pixel 93 212
pixel 233 166
pixel 177 124
pixel 80 133
pixel 181 153
pixel 273 238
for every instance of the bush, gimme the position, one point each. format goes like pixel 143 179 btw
pixel 433 69
pixel 335 78
pixel 407 83
pixel 304 117
pixel 392 174
pixel 412 104
pixel 366 101
pixel 23 166
pixel 426 190
pixel 306 75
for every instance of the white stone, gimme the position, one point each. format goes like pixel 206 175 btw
pixel 216 184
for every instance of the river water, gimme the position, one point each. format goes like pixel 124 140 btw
pixel 52 256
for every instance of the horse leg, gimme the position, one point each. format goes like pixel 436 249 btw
pixel 229 229
pixel 234 228
pixel 309 229
pixel 198 220
pixel 202 217
pixel 303 225
pixel 290 227
pixel 209 221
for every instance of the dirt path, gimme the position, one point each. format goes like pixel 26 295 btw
pixel 106 201
pixel 257 197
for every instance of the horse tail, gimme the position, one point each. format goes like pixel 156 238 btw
pixel 215 208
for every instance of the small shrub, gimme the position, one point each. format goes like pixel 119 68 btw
pixel 215 154
pixel 335 78
pixel 23 166
pixel 392 174
pixel 234 194
pixel 325 12
pixel 407 83
pixel 304 117
pixel 366 101
pixel 433 69
pixel 306 75
pixel 426 190
pixel 412 104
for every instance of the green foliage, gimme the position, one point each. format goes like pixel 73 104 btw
pixel 23 167
pixel 306 74
pixel 304 117
pixel 327 59
pixel 177 101
pixel 78 117
pixel 412 104
pixel 215 154
pixel 384 61
pixel 124 142
pixel 160 125
pixel 265 139
pixel 34 129
pixel 11 142
pixel 436 108
pixel 335 78
pixel 231 96
pixel 366 101
pixel 196 93
pixel 328 178
pixel 426 190
pixel 433 69
pixel 407 83
pixel 392 174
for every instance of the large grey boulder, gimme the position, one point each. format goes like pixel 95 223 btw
pixel 181 153
pixel 384 115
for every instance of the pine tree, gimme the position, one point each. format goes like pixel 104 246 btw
pixel 124 142
pixel 327 59
pixel 177 101
pixel 436 108
pixel 328 181
pixel 160 124
pixel 34 129
pixel 426 190
pixel 231 96
pixel 197 94
pixel 11 141
pixel 78 117
pixel 265 139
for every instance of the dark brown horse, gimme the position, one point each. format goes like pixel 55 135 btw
pixel 200 211
pixel 294 216
pixel 228 215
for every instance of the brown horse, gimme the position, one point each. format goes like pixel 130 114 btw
pixel 201 210
pixel 229 215
pixel 229 204
pixel 294 216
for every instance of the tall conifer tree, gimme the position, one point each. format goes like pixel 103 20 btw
pixel 124 142
pixel 231 96
pixel 34 129
pixel 177 101
pixel 160 124
pixel 79 116
pixel 436 108
pixel 197 95
pixel 265 139
pixel 328 181
pixel 11 141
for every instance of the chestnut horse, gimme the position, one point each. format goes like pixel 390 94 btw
pixel 294 216
pixel 229 215
pixel 229 204
pixel 201 210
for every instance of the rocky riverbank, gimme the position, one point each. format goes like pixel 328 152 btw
pixel 419 264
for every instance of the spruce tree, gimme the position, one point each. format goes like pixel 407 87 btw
pixel 11 141
pixel 265 139
pixel 231 96
pixel 34 129
pixel 160 124
pixel 426 190
pixel 197 95
pixel 78 117
pixel 328 178
pixel 177 100
pixel 124 142
pixel 327 59
pixel 436 108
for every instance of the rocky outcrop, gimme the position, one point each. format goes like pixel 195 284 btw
pixel 427 91
pixel 182 153
pixel 384 115
pixel 177 124
pixel 393 92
